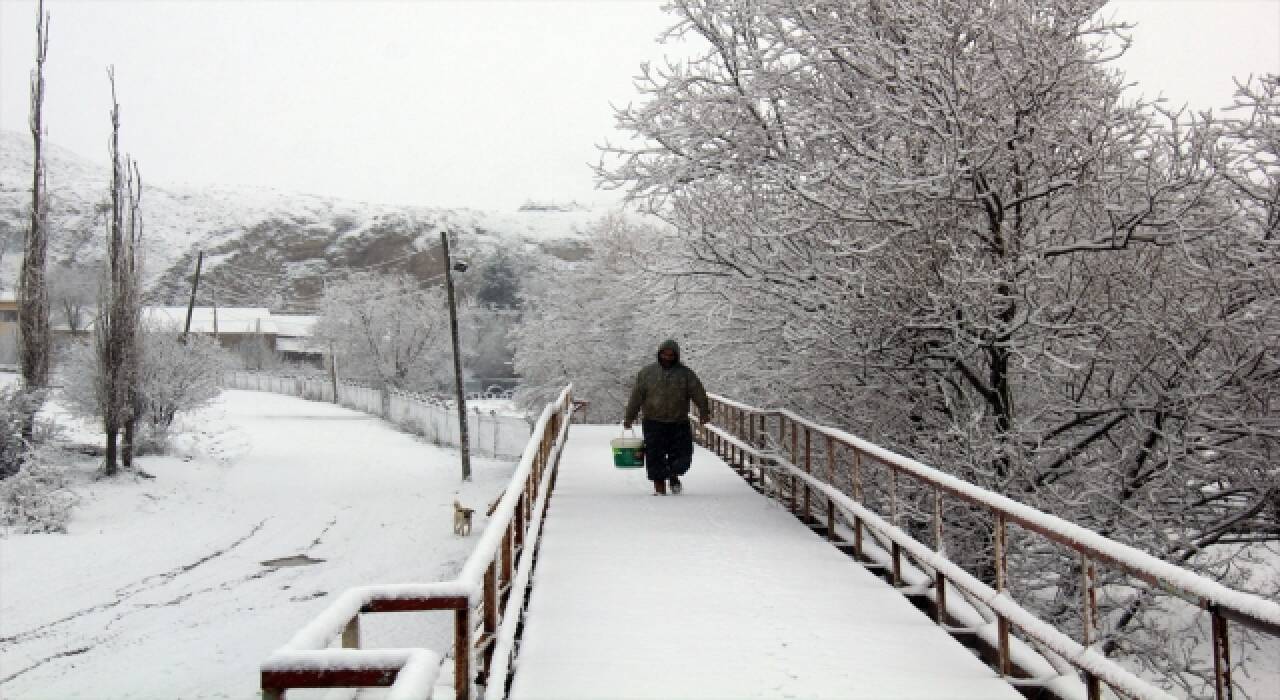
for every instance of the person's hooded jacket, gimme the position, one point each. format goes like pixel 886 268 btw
pixel 663 393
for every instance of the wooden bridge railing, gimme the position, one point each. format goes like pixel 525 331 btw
pixel 486 598
pixel 781 444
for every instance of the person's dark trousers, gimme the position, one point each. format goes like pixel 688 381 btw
pixel 668 448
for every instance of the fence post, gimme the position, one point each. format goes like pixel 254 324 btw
pixel 508 541
pixel 1221 656
pixel 742 435
pixel 1001 584
pixel 795 457
pixel 1088 619
pixel 808 469
pixel 490 616
pixel 782 443
pixel 462 653
pixel 351 633
pixel 497 424
pixel 831 481
pixel 857 496
pixel 521 517
pixel 897 522
pixel 757 442
pixel 940 581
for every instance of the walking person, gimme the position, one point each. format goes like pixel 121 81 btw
pixel 662 393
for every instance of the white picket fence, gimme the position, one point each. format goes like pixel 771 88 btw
pixel 491 434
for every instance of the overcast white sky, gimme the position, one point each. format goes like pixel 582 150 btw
pixel 483 104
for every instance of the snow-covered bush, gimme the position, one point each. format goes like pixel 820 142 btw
pixel 174 376
pixel 35 500
pixel 33 496
pixel 15 452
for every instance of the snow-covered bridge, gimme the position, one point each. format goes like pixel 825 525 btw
pixel 780 572
pixel 717 593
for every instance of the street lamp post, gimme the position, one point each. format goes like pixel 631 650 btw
pixel 464 442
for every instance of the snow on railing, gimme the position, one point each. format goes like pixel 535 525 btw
pixel 486 598
pixel 490 433
pixel 739 431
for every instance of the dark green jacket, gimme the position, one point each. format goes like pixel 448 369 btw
pixel 663 393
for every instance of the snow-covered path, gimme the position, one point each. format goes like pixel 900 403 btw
pixel 715 593
pixel 160 589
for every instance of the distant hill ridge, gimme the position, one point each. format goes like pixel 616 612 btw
pixel 263 247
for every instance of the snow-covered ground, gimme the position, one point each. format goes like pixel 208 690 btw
pixel 173 586
pixel 716 593
pixel 163 588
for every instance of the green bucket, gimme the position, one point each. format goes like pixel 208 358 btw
pixel 628 452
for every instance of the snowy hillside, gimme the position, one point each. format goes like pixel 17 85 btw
pixel 261 246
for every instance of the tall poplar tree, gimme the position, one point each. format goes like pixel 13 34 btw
pixel 116 333
pixel 33 293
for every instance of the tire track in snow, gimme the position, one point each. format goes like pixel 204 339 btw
pixel 138 587
pixel 124 593
pixel 62 654
pixel 225 585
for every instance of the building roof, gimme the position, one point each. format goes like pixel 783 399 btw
pixel 231 320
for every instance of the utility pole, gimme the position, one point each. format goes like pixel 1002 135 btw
pixel 213 288
pixel 333 355
pixel 463 440
pixel 191 305
pixel 333 372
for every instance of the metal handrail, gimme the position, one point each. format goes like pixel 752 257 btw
pixel 478 596
pixel 743 425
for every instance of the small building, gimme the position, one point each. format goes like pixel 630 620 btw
pixel 254 333
pixel 8 329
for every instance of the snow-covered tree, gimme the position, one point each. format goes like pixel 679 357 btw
pixel 597 322
pixel 388 329
pixel 176 377
pixel 173 377
pixel 73 294
pixel 117 328
pixel 33 291
pixel 939 224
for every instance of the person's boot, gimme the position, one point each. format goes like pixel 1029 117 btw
pixel 676 488
pixel 659 487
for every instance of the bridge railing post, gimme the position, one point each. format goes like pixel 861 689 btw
pixel 351 633
pixel 1221 656
pixel 1001 588
pixel 1088 620
pixel 462 653
pixel 940 581
pixel 857 496
pixel 831 479
pixel 795 457
pixel 896 519
pixel 808 469
pixel 757 439
pixel 490 621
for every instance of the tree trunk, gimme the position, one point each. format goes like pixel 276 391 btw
pixel 33 292
pixel 109 467
pixel 126 444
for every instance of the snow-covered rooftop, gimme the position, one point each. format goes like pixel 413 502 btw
pixel 229 320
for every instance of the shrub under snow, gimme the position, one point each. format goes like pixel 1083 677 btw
pixel 174 376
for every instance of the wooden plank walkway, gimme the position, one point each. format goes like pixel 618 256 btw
pixel 716 593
